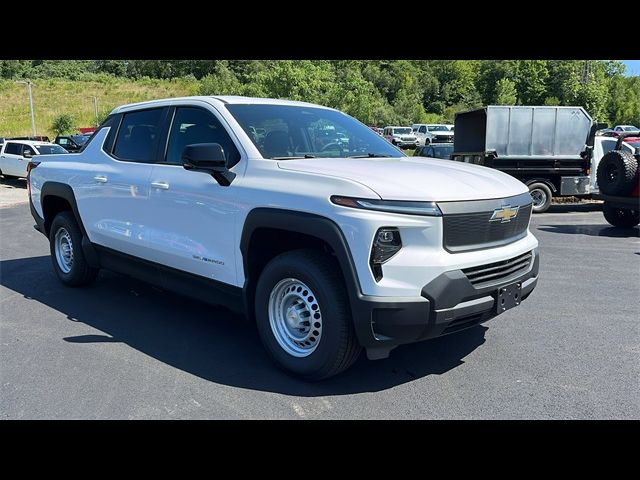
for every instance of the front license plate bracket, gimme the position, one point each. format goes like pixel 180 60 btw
pixel 508 297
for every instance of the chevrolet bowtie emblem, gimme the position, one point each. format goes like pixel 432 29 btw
pixel 504 214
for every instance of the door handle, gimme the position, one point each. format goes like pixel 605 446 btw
pixel 100 178
pixel 160 185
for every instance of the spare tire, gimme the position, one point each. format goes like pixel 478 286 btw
pixel 617 173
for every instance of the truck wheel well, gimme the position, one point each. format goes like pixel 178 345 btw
pixel 52 206
pixel 547 181
pixel 267 243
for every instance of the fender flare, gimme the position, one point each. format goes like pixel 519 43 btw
pixel 64 191
pixel 306 223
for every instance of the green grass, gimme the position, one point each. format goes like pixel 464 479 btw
pixel 55 96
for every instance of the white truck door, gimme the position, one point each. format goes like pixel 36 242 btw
pixel 193 218
pixel 10 159
pixel 112 188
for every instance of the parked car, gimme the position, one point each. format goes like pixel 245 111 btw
pixel 72 143
pixel 432 133
pixel 435 150
pixel 401 137
pixel 618 129
pixel 36 138
pixel 327 249
pixel 619 181
pixel 15 155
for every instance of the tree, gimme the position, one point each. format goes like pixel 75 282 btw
pixel 63 124
pixel 531 78
pixel 506 93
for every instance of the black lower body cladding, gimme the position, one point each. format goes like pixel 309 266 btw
pixel 448 303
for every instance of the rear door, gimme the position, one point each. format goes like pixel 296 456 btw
pixel 11 159
pixel 113 194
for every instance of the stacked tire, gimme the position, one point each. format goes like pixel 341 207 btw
pixel 618 177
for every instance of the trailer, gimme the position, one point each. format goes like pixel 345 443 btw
pixel 545 147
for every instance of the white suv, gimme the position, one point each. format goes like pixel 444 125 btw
pixel 16 154
pixel 432 133
pixel 401 137
pixel 329 246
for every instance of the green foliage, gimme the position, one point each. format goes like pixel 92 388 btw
pixel 377 92
pixel 506 93
pixel 63 124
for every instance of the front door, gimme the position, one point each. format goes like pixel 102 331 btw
pixel 11 160
pixel 193 217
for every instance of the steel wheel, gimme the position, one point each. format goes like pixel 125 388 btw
pixel 64 249
pixel 539 198
pixel 295 317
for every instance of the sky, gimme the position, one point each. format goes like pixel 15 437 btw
pixel 633 67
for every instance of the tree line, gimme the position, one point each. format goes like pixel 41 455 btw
pixel 382 92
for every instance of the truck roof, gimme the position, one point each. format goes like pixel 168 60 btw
pixel 215 100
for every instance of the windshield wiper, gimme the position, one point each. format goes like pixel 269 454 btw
pixel 293 158
pixel 370 155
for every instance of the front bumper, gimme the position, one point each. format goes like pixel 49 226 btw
pixel 448 303
pixel 402 143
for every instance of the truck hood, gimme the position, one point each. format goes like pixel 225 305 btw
pixel 419 179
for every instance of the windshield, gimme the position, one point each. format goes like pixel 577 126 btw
pixel 49 149
pixel 437 128
pixel 630 128
pixel 402 131
pixel 286 131
pixel 80 139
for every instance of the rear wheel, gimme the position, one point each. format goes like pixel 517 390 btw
pixel 69 263
pixel 621 217
pixel 541 196
pixel 303 315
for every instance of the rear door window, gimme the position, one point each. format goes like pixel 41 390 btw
pixel 138 136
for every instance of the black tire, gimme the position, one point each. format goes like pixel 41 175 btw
pixel 338 347
pixel 80 272
pixel 426 142
pixel 542 195
pixel 621 217
pixel 617 173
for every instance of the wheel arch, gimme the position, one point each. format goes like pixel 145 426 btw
pixel 264 223
pixel 56 197
pixel 547 181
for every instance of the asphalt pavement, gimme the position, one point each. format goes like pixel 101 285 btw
pixel 122 349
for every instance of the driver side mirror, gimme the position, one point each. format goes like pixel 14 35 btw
pixel 208 158
pixel 27 154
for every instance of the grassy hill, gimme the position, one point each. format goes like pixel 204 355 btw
pixel 55 96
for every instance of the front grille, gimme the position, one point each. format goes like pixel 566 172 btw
pixel 498 272
pixel 408 139
pixel 474 231
pixel 443 138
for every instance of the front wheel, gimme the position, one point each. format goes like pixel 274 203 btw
pixel 303 315
pixel 621 217
pixel 541 196
pixel 69 263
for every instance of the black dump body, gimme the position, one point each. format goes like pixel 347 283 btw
pixel 525 142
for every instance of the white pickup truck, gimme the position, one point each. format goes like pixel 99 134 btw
pixel 329 246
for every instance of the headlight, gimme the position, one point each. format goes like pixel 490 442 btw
pixel 392 206
pixel 386 244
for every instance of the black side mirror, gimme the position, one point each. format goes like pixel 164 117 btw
pixel 208 158
pixel 27 154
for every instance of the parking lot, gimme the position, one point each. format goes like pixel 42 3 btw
pixel 123 349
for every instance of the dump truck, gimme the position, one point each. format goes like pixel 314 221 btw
pixel 545 147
